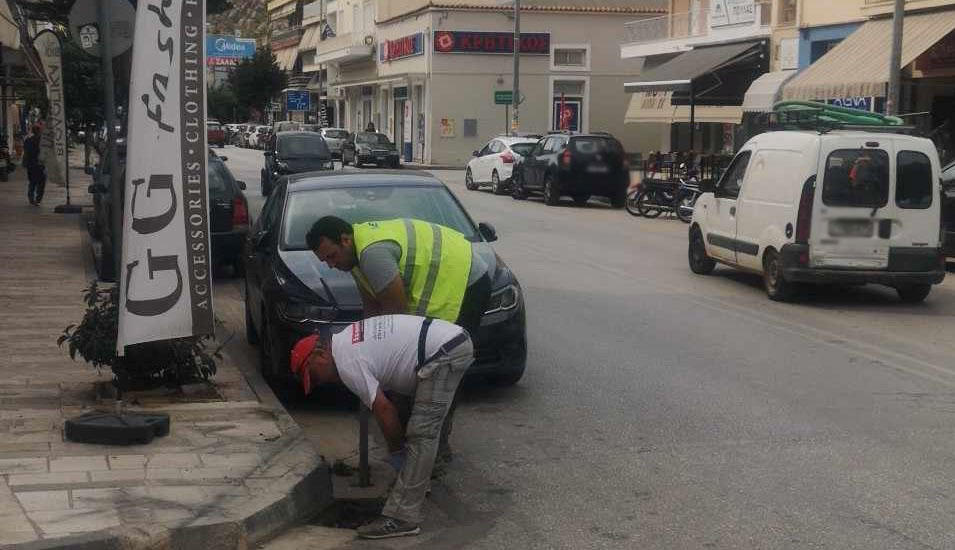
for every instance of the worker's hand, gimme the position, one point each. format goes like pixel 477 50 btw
pixel 397 459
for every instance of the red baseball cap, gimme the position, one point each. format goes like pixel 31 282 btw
pixel 300 354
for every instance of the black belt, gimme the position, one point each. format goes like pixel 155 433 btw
pixel 445 348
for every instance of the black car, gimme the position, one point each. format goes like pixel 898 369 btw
pixel 579 165
pixel 370 148
pixel 948 210
pixel 290 293
pixel 294 153
pixel 228 216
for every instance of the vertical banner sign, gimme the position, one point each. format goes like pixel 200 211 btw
pixel 166 289
pixel 47 45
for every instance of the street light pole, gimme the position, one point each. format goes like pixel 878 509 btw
pixel 895 70
pixel 516 96
pixel 115 186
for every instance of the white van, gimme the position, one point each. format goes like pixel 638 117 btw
pixel 845 206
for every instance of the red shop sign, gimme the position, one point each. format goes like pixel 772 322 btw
pixel 532 43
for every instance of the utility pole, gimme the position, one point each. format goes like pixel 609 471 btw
pixel 895 70
pixel 515 124
pixel 115 185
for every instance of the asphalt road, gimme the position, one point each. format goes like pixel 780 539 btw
pixel 662 409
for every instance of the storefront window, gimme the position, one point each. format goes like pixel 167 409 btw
pixel 787 12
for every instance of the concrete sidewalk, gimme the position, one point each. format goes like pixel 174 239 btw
pixel 234 470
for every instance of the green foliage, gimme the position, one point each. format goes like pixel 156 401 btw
pixel 258 79
pixel 152 364
pixel 223 105
pixel 82 85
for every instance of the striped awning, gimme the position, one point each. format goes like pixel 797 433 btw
pixel 311 38
pixel 764 91
pixel 656 107
pixel 859 65
pixel 285 58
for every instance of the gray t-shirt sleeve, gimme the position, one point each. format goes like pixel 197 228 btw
pixel 379 263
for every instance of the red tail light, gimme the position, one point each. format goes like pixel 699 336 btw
pixel 507 158
pixel 240 212
pixel 804 216
pixel 565 158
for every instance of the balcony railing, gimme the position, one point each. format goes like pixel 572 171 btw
pixel 687 25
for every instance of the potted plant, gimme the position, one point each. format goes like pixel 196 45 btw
pixel 173 362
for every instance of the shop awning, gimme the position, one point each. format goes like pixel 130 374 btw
pixel 9 30
pixel 311 38
pixel 764 91
pixel 859 65
pixel 656 107
pixel 679 72
pixel 285 58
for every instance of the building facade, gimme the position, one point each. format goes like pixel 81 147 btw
pixel 427 76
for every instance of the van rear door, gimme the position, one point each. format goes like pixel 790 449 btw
pixel 853 211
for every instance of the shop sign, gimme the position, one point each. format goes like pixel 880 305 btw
pixel 940 56
pixel 228 50
pixel 406 46
pixel 853 102
pixel 532 43
pixel 732 12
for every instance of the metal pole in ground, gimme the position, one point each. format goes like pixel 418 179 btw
pixel 364 477
pixel 516 123
pixel 895 60
pixel 109 106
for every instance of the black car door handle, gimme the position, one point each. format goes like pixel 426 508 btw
pixel 732 210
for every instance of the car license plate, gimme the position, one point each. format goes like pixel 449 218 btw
pixel 598 169
pixel 850 228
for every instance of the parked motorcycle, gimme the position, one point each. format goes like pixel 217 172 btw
pixel 658 196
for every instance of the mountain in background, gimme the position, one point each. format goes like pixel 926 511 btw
pixel 249 17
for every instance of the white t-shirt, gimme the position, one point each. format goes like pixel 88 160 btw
pixel 383 352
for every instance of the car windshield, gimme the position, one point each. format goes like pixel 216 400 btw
pixel 523 149
pixel 337 134
pixel 363 204
pixel 374 139
pixel 220 180
pixel 591 145
pixel 302 146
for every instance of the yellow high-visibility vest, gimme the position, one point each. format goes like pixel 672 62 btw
pixel 434 265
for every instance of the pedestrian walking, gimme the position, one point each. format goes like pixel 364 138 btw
pixel 36 171
pixel 370 127
pixel 404 355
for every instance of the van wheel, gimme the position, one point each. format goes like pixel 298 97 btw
pixel 700 262
pixel 913 294
pixel 777 287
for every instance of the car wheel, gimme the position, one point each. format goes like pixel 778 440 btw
pixel 517 187
pixel 251 336
pixel 551 194
pixel 469 181
pixel 619 199
pixel 777 287
pixel 581 200
pixel 913 294
pixel 631 204
pixel 503 380
pixel 700 262
pixel 496 186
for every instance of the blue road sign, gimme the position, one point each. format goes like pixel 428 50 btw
pixel 297 100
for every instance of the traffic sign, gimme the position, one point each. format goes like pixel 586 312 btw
pixel 505 97
pixel 297 100
pixel 85 25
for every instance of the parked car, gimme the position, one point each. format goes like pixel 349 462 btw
pixel 370 148
pixel 260 138
pixel 228 215
pixel 215 133
pixel 493 164
pixel 807 207
pixel 335 138
pixel 290 293
pixel 579 165
pixel 948 210
pixel 286 126
pixel 293 153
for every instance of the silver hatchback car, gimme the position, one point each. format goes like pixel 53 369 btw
pixel 335 138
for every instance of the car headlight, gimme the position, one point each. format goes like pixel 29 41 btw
pixel 282 166
pixel 503 299
pixel 302 312
pixel 330 165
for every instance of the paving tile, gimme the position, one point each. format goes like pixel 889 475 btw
pixel 78 464
pixel 237 459
pixel 44 500
pixel 126 462
pixel 119 475
pixel 74 521
pixel 173 460
pixel 16 528
pixel 107 498
pixel 59 478
pixel 239 472
pixel 22 465
pixel 143 514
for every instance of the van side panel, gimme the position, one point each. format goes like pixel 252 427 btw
pixel 768 203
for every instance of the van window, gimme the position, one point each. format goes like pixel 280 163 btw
pixel 913 181
pixel 856 178
pixel 733 177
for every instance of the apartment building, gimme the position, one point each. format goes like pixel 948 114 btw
pixel 426 72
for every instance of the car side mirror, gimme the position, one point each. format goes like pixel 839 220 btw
pixel 487 231
pixel 223 159
pixel 708 186
pixel 96 188
pixel 475 153
pixel 241 185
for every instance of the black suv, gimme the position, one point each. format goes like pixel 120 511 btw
pixel 579 165
pixel 294 153
pixel 228 215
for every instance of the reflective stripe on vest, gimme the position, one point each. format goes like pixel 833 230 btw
pixel 434 264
